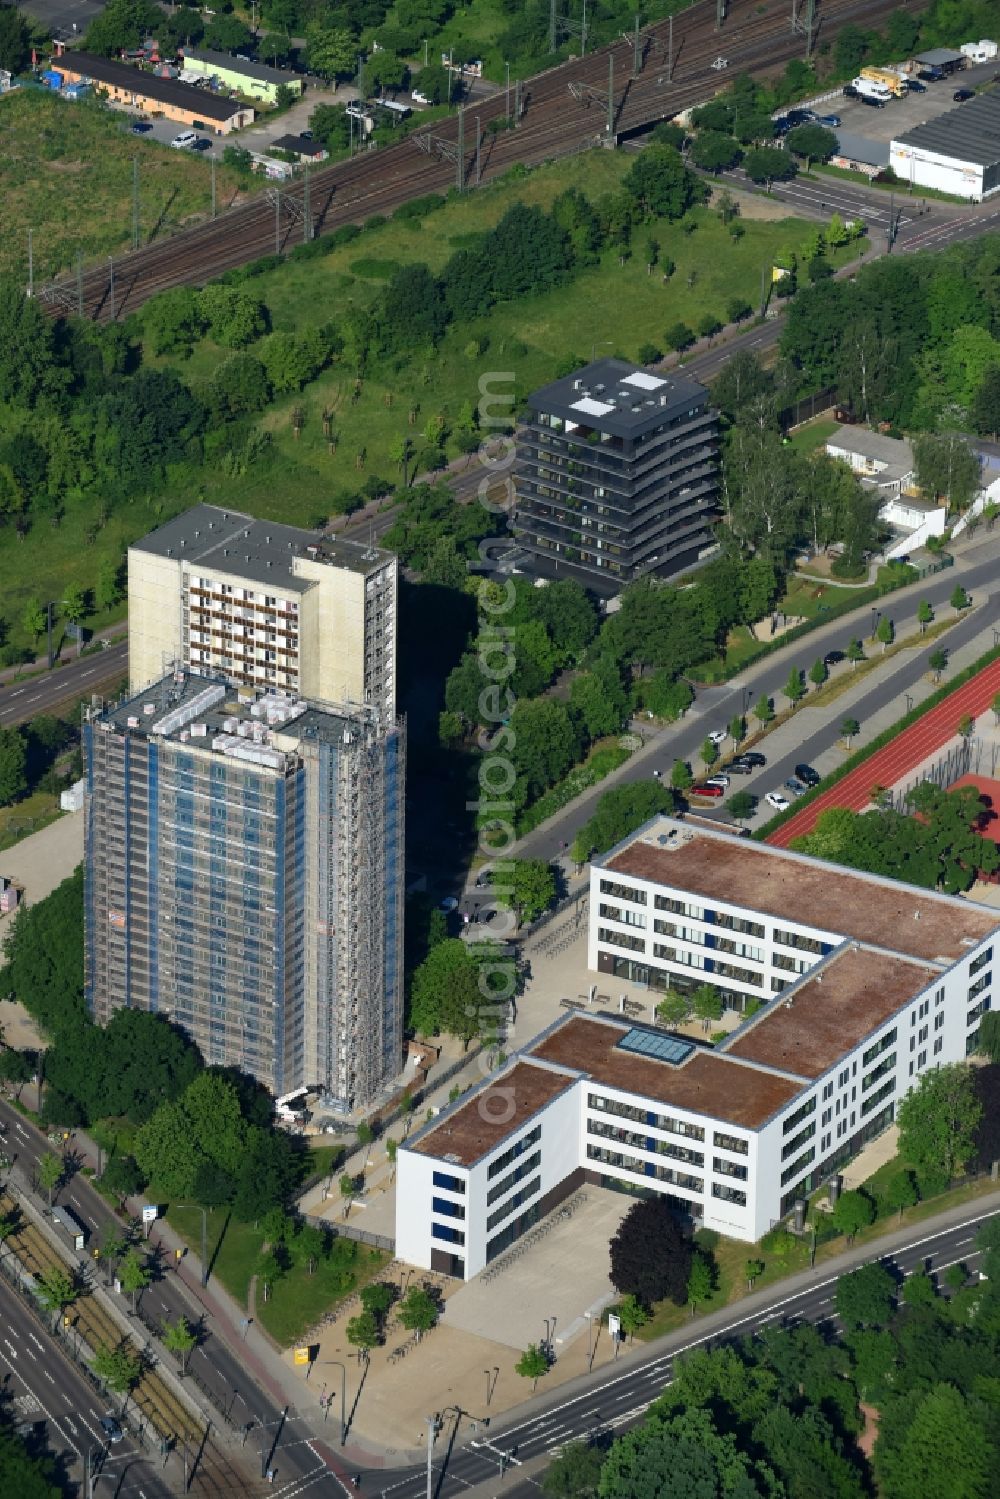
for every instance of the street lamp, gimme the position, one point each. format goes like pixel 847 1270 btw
pixel 343 1398
pixel 875 618
pixel 506 109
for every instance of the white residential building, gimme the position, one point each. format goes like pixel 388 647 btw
pixel 879 982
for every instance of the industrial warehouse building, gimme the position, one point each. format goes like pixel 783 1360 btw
pixel 254 79
pixel 958 153
pixel 150 94
pixel 853 1003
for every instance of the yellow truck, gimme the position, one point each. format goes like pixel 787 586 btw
pixel 892 80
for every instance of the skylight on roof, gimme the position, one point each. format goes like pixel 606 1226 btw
pixel 592 408
pixel 644 381
pixel 660 1048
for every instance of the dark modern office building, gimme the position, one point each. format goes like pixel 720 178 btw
pixel 617 474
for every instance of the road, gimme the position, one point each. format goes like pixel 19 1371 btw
pixel 45 693
pixel 715 706
pixel 221 1369
pixel 617 1398
pixel 44 1385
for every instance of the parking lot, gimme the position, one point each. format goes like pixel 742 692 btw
pixel 901 115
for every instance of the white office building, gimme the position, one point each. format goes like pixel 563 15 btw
pixel 862 983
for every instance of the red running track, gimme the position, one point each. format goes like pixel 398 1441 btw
pixel 905 753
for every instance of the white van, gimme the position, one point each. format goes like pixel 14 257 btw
pixel 184 141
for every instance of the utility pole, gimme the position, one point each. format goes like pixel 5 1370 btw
pixel 135 202
pixel 479 149
pixel 460 170
pixel 583 31
pixel 433 1427
pixel 635 51
pixel 720 13
pixel 31 265
pixel 552 25
pixel 79 285
pixel 212 160
pixel 307 231
pixel 111 264
pixel 506 97
pixel 277 221
pixel 611 95
pixel 517 101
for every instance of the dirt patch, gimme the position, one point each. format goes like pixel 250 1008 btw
pixel 867 1437
pixel 754 205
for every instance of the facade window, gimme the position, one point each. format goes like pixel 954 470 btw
pixel 679 907
pixel 938 1045
pixel 731 1142
pixel 882 1044
pixel 446 1209
pixel 645 1116
pixel 981 984
pixel 623 892
pixel 529 1190
pixel 446 1234
pixel 529 1164
pixel 886 1091
pixel 986 956
pixel 828 1090
pixel 797 1168
pixel 801 1113
pixel 647 1169
pixel 797 940
pixel 791 1146
pixel 739 924
pixel 722 1167
pixel 630 918
pixel 621 939
pixel 509 1156
pixel 886 1065
pixel 729 1194
pixel 648 1143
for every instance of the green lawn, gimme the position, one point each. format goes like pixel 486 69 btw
pixel 296 1301
pixel 813 434
pixel 67 175
pixel 28 816
pixel 809 599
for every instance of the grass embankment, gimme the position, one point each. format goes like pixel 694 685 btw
pixel 67 175
pixel 28 816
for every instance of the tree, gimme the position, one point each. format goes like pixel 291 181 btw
pixel 575 1473
pixel 709 752
pixel 51 1170
pixel 56 1288
pixel 651 1254
pixel 938 661
pixel 737 729
pixel 864 1297
pixel 753 1269
pixel 946 465
pixel 661 184
pixel 818 672
pixel 529 888
pixel 849 728
pixel 118 1368
pixel 959 598
pixel 681 778
pixel 901 1192
pixel 938 1121
pixel 714 151
pixel 679 337
pixel 989 1036
pixel 763 709
pixel 885 631
pixel 179 1337
pixel 15 40
pixel 767 164
pixel 419 1311
pixel 135 1275
pixel 811 142
pixel 855 653
pixel 700 1281
pixel 686 1455
pixel 533 1363
pixel 377 1298
pixel 13 766
pixel 794 688
pixel 984 412
pixel 632 1315
pixel 435 83
pixel 348 1190
pixel 742 805
pixel 122 26
pixel 108 590
pixel 332 52
pixel 234 317
pixel 363 1332
pixel 944 1448
pixel 600 699
pixel 706 1002
pixel 444 992
pixel 966 726
pixel 925 615
pixel 76 608
pixel 851 1212
pixel 122 1176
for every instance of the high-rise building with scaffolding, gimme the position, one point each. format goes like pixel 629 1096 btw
pixel 244 855
pixel 244 876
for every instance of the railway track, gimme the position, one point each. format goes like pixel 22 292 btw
pixel 162 1410
pixel 553 123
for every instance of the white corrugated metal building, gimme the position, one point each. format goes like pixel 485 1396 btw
pixel 957 153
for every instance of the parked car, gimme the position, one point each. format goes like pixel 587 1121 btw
pixel 719 736
pixel 915 86
pixel 702 788
pixel 184 141
pixel 778 801
pixel 111 1428
pixel 739 768
pixel 830 121
pixel 961 94
pixel 754 759
pixel 795 786
pixel 832 658
pixel 930 75
pixel 807 775
pixel 872 103
pixel 717 780
pixel 202 145
pixel 418 97
pixel 850 92
pixel 140 127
